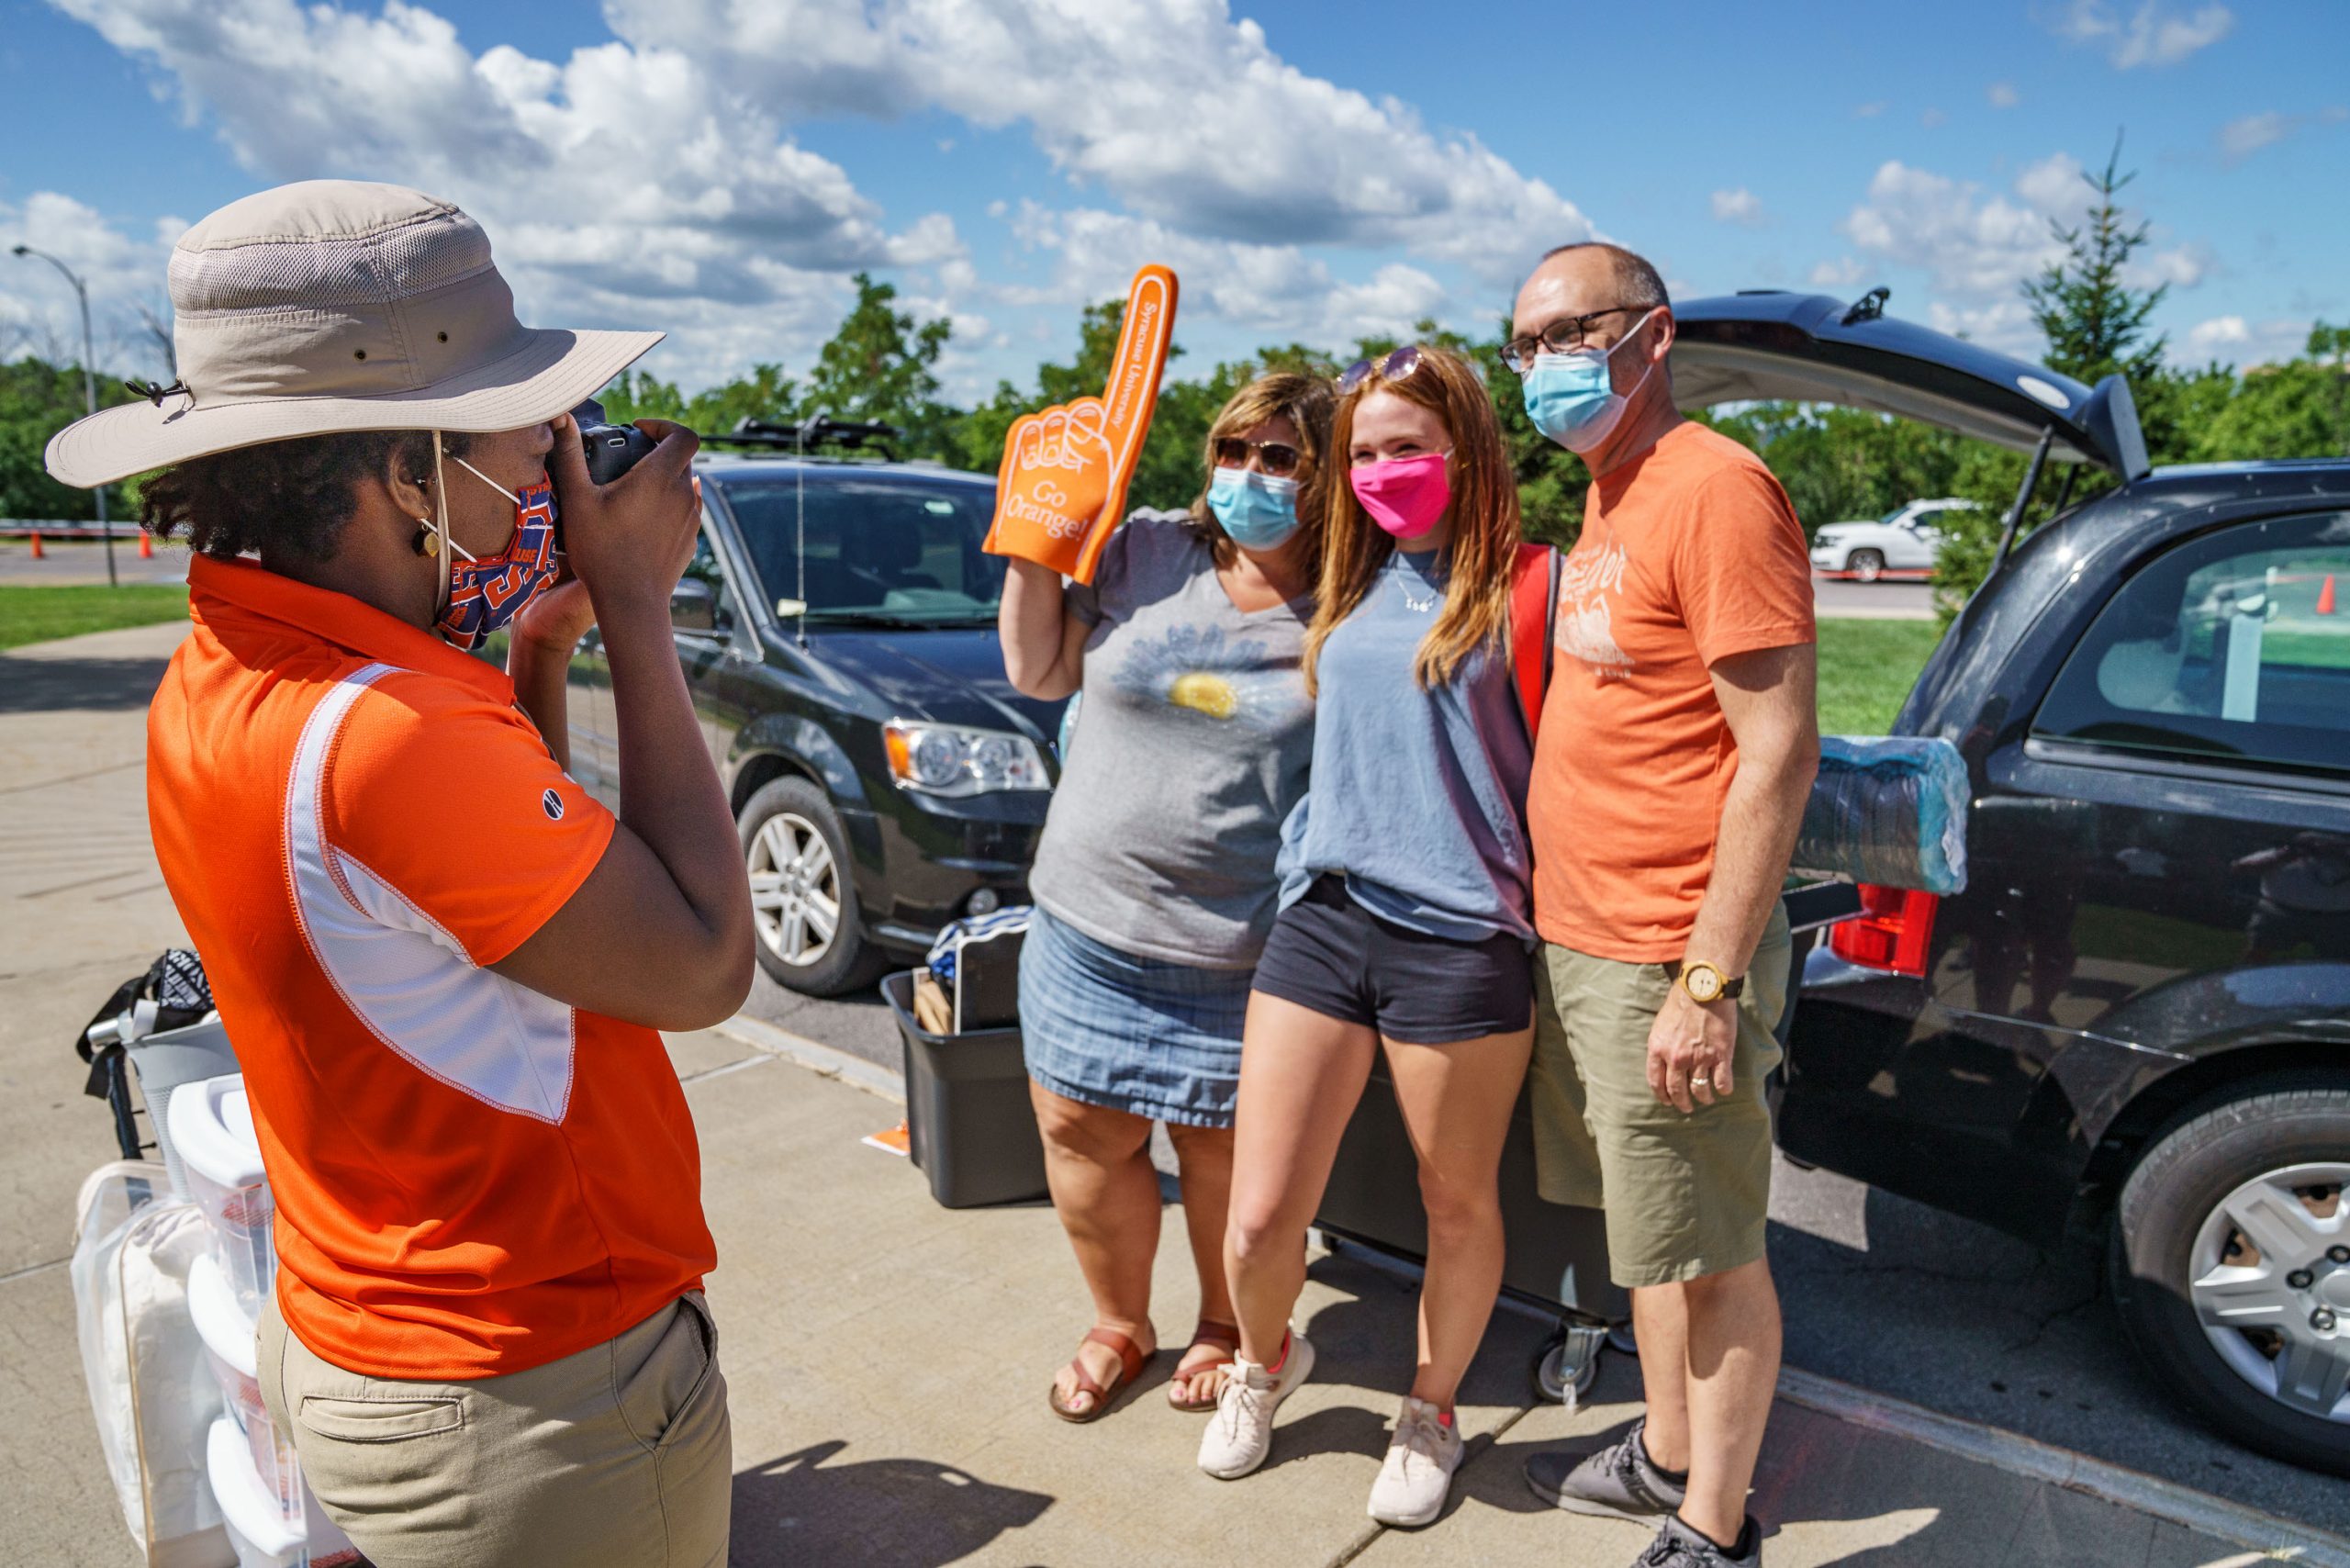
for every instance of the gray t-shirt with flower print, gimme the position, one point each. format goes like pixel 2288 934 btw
pixel 1189 748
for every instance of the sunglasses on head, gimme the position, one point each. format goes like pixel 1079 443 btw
pixel 1394 367
pixel 1275 458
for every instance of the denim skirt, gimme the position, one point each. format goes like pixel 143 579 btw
pixel 1142 1035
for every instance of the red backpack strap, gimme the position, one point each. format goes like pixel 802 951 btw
pixel 1533 617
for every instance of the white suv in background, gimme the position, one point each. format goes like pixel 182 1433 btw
pixel 1903 540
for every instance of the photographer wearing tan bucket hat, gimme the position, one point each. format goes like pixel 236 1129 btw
pixel 441 961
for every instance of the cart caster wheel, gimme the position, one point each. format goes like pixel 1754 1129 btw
pixel 1568 1364
pixel 1620 1340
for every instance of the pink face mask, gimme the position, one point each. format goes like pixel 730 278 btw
pixel 1406 496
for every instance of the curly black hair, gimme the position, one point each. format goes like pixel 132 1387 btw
pixel 288 498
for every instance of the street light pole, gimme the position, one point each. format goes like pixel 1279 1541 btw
pixel 89 387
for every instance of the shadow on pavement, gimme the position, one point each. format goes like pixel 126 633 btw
pixel 802 1509
pixel 51 686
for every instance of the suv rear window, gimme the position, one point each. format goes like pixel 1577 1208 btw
pixel 878 543
pixel 2234 646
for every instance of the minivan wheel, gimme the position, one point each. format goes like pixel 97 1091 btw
pixel 1866 564
pixel 2232 1269
pixel 803 899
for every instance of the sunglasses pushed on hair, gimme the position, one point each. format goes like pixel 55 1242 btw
pixel 1394 367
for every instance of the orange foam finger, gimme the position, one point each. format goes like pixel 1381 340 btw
pixel 1144 340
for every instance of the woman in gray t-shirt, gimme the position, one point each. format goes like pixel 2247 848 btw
pixel 1153 882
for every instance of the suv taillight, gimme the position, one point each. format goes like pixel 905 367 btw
pixel 1890 933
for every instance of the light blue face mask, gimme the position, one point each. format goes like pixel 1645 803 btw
pixel 1572 399
pixel 1258 512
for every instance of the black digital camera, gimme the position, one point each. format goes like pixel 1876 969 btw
pixel 612 450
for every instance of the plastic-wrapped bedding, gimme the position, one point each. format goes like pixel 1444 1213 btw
pixel 1889 810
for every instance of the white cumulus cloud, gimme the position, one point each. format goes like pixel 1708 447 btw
pixel 2155 34
pixel 1181 112
pixel 1971 245
pixel 623 185
pixel 1740 207
pixel 122 268
pixel 2240 138
pixel 1276 290
pixel 2003 95
pixel 2232 340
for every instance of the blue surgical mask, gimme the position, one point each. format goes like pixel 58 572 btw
pixel 1258 512
pixel 1572 399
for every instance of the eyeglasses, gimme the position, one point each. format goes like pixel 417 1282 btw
pixel 1394 367
pixel 1562 336
pixel 1276 457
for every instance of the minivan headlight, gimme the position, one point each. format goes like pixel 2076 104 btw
pixel 946 759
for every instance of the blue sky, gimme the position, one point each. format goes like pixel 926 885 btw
pixel 1312 171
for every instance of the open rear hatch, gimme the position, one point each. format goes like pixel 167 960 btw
pixel 1814 349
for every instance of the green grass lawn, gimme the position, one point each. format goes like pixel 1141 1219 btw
pixel 1867 669
pixel 35 612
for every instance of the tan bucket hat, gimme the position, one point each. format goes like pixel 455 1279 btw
pixel 337 305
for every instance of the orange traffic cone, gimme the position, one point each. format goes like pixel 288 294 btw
pixel 146 545
pixel 39 554
pixel 2325 596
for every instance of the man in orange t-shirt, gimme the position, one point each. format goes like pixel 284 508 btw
pixel 441 961
pixel 1678 744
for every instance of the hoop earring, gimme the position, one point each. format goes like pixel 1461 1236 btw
pixel 428 544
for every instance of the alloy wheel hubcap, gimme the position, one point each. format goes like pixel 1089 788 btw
pixel 795 888
pixel 2271 1293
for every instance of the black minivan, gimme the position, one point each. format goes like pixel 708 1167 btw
pixel 2136 1017
pixel 838 625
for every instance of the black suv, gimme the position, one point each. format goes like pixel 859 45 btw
pixel 837 626
pixel 2137 1015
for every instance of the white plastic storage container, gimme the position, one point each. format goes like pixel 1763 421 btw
pixel 265 1532
pixel 212 1128
pixel 228 1347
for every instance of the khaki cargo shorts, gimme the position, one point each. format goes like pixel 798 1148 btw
pixel 617 1456
pixel 1684 1195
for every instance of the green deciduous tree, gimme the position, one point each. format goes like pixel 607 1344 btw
pixel 881 366
pixel 37 400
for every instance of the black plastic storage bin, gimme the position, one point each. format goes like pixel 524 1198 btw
pixel 969 1124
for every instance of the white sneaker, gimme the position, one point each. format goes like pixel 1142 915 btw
pixel 1240 1433
pixel 1412 1485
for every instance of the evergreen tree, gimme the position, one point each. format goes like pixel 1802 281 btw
pixel 2096 325
pixel 2094 321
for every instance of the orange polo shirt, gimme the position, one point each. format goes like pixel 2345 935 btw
pixel 356 821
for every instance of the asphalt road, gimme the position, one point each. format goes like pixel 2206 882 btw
pixel 84 562
pixel 1901 1299
pixel 1873 601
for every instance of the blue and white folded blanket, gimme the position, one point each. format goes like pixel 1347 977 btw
pixel 1889 810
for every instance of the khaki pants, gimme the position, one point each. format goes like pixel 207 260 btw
pixel 1685 1194
pixel 620 1456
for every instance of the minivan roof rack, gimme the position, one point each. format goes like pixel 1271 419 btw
pixel 811 434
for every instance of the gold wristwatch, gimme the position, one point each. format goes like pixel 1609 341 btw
pixel 1703 983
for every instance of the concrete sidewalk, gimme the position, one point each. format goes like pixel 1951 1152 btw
pixel 889 1358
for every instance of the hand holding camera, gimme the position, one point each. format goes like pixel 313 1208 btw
pixel 627 537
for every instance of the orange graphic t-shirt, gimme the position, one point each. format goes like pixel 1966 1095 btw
pixel 356 822
pixel 1689 553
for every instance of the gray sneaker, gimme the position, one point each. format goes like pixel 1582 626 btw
pixel 1616 1482
pixel 1678 1546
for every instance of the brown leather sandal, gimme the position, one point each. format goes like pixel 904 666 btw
pixel 1131 1362
pixel 1225 1337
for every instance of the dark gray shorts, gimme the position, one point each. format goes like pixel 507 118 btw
pixel 1331 956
